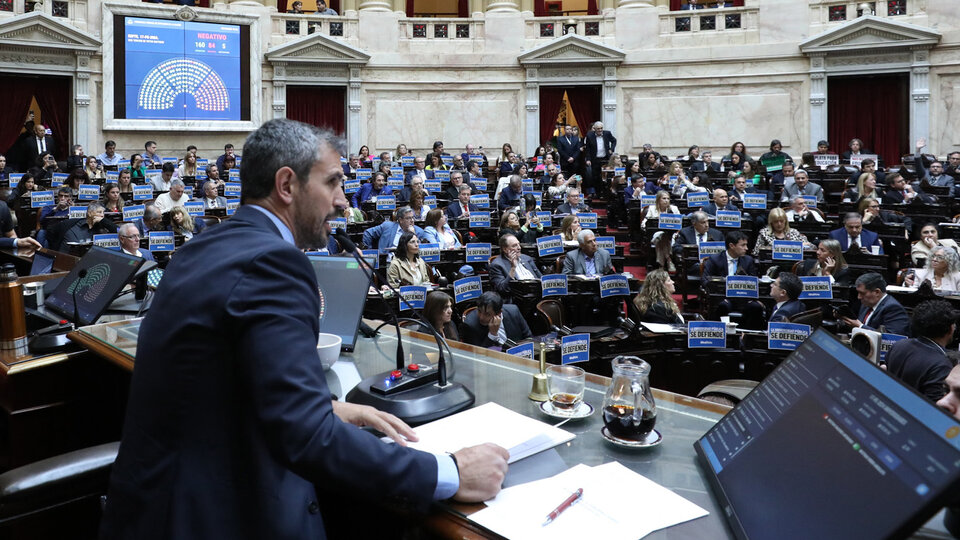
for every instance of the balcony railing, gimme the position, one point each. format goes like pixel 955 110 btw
pixel 554 27
pixel 295 25
pixel 441 29
pixel 727 19
pixel 832 12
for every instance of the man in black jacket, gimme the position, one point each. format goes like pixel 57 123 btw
pixel 494 323
pixel 922 362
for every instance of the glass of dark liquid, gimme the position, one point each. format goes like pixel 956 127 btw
pixel 629 411
pixel 566 385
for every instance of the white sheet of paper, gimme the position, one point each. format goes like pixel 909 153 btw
pixel 617 503
pixel 658 328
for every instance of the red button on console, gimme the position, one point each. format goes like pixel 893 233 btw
pixel 395 374
pixel 413 367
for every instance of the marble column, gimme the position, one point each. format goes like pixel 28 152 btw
pixel 503 6
pixel 533 112
pixel 818 101
pixel 609 98
pixel 354 137
pixel 375 5
pixel 920 95
pixel 81 97
pixel 634 3
pixel 279 104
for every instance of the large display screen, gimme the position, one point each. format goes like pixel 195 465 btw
pixel 178 70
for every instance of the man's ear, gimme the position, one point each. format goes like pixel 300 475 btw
pixel 283 185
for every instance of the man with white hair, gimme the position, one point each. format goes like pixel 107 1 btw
pixel 802 186
pixel 587 259
pixel 175 197
pixel 129 237
pixel 84 230
pixel 601 145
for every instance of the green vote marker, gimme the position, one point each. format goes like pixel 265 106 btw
pixel 856 446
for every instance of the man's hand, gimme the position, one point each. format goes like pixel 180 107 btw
pixel 852 323
pixel 365 416
pixel 494 326
pixel 569 160
pixel 921 142
pixel 929 242
pixel 588 163
pixel 28 243
pixel 482 469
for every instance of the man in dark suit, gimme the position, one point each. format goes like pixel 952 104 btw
pixel 510 265
pixel 721 201
pixel 921 362
pixel 698 231
pixel 706 164
pixel 935 176
pixel 129 238
pixel 854 235
pixel 568 146
pixel 376 187
pixel 733 261
pixel 801 186
pixel 210 197
pixel 8 236
pixel 386 235
pixel 600 147
pixel 877 308
pixel 573 204
pixel 453 190
pixel 418 171
pixel 37 145
pixel 899 191
pixel 511 196
pixel 462 207
pixel 785 290
pixel 493 323
pixel 416 184
pixel 351 166
pixel 587 260
pixel 740 188
pixel 867 166
pixel 230 428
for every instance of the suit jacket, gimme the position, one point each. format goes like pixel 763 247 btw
pixel 711 209
pixel 229 427
pixel 787 310
pixel 609 144
pixel 657 313
pixel 30 152
pixel 413 172
pixel 842 277
pixel 221 202
pixel 891 196
pixel 575 262
pixel 400 274
pixel 565 208
pixel 699 166
pixel 568 150
pixel 513 324
pixel 889 314
pixel 381 237
pixel 454 212
pixel 509 198
pixel 499 270
pixel 716 266
pixel 366 191
pixel 453 192
pixel 867 238
pixel 688 236
pixel 791 191
pixel 920 364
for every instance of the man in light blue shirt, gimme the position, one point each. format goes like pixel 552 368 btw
pixel 109 156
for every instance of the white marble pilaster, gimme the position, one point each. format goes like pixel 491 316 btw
pixel 609 98
pixel 818 101
pixel 354 137
pixel 634 3
pixel 279 90
pixel 920 95
pixel 503 6
pixel 375 5
pixel 81 97
pixel 533 111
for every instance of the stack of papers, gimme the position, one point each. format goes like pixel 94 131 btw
pixel 520 435
pixel 658 328
pixel 617 503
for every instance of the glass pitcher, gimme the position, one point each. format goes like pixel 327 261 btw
pixel 629 411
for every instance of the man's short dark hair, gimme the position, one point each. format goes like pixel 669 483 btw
pixel 872 281
pixel 148 143
pixel 210 167
pixel 734 237
pixel 437 144
pixel 168 167
pixel 866 162
pixel 490 301
pixel 932 319
pixel 503 240
pixel 471 163
pixel 191 147
pixel 790 284
pixel 282 143
pixel 109 143
pixel 64 189
pixel 893 177
pixel 228 146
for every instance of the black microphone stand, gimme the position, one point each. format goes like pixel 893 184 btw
pixel 406 392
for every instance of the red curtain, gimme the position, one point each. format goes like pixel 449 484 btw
pixel 539 8
pixel 592 7
pixel 53 97
pixel 585 102
pixel 321 106
pixel 410 8
pixel 873 109
pixel 550 99
pixel 463 8
pixel 16 93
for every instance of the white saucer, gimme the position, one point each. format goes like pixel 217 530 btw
pixel 654 438
pixel 582 411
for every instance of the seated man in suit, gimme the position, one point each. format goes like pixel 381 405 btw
pixel 129 238
pixel 385 236
pixel 785 290
pixel 510 265
pixel 419 171
pixel 935 176
pixel 573 204
pixel 802 186
pixel 740 188
pixel 867 166
pixel 83 232
pixel 853 235
pixel 376 187
pixel 462 207
pixel 512 195
pixel 721 201
pixel 877 308
pixel 698 231
pixel 351 166
pixel 732 261
pixel 210 197
pixel 706 164
pixel 782 178
pixel 152 220
pixel 453 190
pixel 899 191
pixel 416 184
pixel 921 362
pixel 799 211
pixel 8 236
pixel 494 323
pixel 587 260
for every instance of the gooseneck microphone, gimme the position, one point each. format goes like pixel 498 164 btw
pixel 76 312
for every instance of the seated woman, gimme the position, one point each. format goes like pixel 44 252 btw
pixel 406 267
pixel 942 271
pixel 77 176
pixel 510 224
pixel 660 206
pixel 929 241
pixel 181 222
pixel 112 202
pixel 684 184
pixel 416 204
pixel 437 231
pixel 778 228
pixel 137 171
pixel 654 301
pixel 650 161
pixel 124 181
pixel 829 262
pixel 438 310
pixel 866 188
pixel 560 185
pixel 353 214
pixel 520 169
pixel 870 212
pixel 569 229
pixel 436 163
pixel 530 219
pixel 93 168
pixel 187 168
pixel 26 185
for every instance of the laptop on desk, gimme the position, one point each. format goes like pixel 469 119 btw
pixel 831 446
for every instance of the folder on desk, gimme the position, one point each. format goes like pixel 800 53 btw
pixel 493 423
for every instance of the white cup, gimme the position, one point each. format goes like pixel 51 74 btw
pixel 328 349
pixel 875 250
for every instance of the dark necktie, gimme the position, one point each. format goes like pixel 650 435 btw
pixel 854 246
pixel 867 315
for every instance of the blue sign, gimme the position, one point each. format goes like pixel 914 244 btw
pixel 351 186
pixel 728 218
pixel 412 297
pixel 395 182
pixel 133 212
pixel 553 285
pixel 482 201
pixel 440 175
pixel 407 161
pixel 479 219
pixel 446 160
pixel 338 223
pixel 363 174
pixel 231 189
pixel 574 348
pixel 397 171
pixel 710 248
pixel 545 217
pixel 161 240
pixel 619 171
pixel 670 222
pixel 549 245
pixel 697 198
pixel 58 179
pixel 479 183
pixel 194 208
pixel 527 185
pixel 88 192
pixel 112 177
pixel 109 241
pixel 372 256
pixel 14 179
pixel 467 288
pixel 232 205
pixel 783 336
pixel 647 200
pixel 743 287
pixel 811 200
pixel 430 253
pixel 386 202
pixel 142 193
pixel 706 335
pixel 754 201
pixel 614 285
pixel 816 287
pixel 887 341
pixel 523 351
pixel 39 199
pixel 78 212
pixel 672 181
pixel 787 250
pixel 588 220
pixel 478 252
pixel 430 202
pixel 432 186
pixel 234 176
pixel 608 243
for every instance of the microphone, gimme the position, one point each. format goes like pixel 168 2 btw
pixel 76 312
pixel 627 324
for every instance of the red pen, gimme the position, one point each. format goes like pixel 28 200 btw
pixel 570 501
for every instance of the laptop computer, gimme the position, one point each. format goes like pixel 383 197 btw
pixel 831 446
pixel 343 289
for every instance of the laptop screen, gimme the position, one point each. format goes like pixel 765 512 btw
pixel 105 272
pixel 830 446
pixel 42 264
pixel 343 292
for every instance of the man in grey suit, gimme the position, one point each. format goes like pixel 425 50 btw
pixel 511 264
pixel 587 260
pixel 801 186
pixel 210 197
